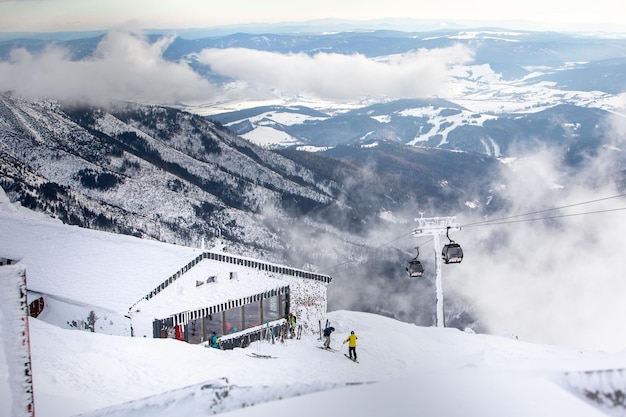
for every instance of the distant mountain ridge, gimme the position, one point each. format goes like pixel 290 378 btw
pixel 160 172
pixel 543 80
pixel 420 122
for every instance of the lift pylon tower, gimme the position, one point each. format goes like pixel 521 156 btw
pixel 436 226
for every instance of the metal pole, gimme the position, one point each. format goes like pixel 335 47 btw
pixel 438 282
pixel 435 226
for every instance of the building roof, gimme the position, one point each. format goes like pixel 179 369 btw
pixel 116 272
pixel 208 284
pixel 91 267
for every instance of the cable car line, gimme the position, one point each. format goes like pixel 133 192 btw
pixel 506 220
pixel 375 248
pixel 486 222
pixel 544 218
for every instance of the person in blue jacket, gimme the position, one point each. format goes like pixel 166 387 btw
pixel 327 333
pixel 214 341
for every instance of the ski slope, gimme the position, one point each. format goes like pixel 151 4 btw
pixel 404 370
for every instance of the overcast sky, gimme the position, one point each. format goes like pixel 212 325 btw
pixel 69 15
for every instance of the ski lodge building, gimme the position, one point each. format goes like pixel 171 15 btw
pixel 122 285
pixel 232 296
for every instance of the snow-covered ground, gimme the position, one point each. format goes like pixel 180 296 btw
pixel 415 371
pixel 403 369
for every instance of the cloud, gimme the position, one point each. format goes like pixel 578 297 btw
pixel 557 280
pixel 336 76
pixel 124 66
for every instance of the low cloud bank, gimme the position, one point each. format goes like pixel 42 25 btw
pixel 336 76
pixel 124 66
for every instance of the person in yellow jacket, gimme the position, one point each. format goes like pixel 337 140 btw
pixel 351 341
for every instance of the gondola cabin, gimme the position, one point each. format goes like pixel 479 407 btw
pixel 415 268
pixel 452 253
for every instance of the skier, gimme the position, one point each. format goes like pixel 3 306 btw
pixel 351 341
pixel 327 333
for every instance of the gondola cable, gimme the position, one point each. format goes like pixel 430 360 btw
pixel 487 222
pixel 505 220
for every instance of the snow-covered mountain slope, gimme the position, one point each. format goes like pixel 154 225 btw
pixel 159 172
pixel 147 171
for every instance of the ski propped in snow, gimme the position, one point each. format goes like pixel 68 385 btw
pixel 256 355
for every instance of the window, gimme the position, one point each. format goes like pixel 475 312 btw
pixel 233 320
pixel 194 331
pixel 213 323
pixel 252 314
pixel 271 308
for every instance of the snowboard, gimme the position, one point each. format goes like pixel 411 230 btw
pixel 353 360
